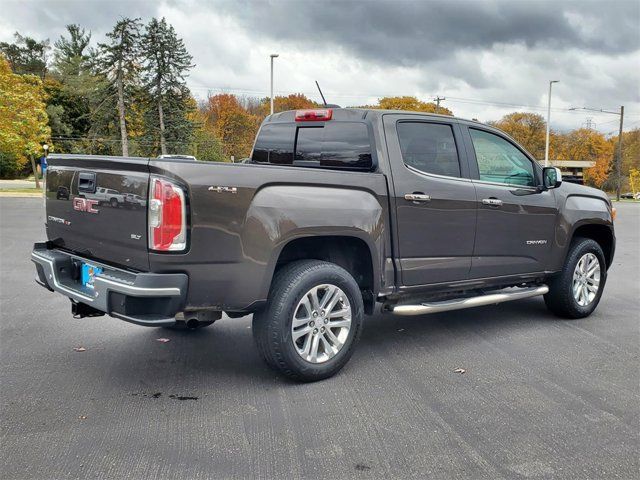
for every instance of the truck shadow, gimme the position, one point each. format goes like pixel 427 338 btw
pixel 224 355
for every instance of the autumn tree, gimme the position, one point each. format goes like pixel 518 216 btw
pixel 295 101
pixel 528 129
pixel 410 104
pixel 231 123
pixel 167 63
pixel 23 119
pixel 120 62
pixel 589 145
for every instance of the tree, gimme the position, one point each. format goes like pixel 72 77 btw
pixel 26 56
pixel 70 56
pixel 121 64
pixel 528 129
pixel 167 63
pixel 589 145
pixel 231 123
pixel 410 104
pixel 295 101
pixel 23 119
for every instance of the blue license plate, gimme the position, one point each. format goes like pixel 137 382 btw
pixel 88 274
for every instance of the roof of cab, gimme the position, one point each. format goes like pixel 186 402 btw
pixel 358 114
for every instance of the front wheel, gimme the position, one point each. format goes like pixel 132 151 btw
pixel 576 291
pixel 312 321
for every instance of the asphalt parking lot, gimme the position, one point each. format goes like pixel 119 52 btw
pixel 541 397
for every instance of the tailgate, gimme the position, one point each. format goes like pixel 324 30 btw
pixel 97 207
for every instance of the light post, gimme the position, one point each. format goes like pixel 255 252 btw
pixel 546 148
pixel 618 162
pixel 273 55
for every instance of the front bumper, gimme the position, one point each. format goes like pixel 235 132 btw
pixel 151 299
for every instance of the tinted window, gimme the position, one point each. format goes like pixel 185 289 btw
pixel 275 144
pixel 334 145
pixel 500 161
pixel 429 147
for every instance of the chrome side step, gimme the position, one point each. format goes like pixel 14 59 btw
pixel 505 295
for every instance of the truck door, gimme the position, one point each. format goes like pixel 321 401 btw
pixel 435 201
pixel 516 220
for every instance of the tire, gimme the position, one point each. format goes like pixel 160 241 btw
pixel 561 299
pixel 114 203
pixel 290 296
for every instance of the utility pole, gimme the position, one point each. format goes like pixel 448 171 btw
pixel 273 55
pixel 438 99
pixel 619 161
pixel 546 148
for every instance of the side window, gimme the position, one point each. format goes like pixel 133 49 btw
pixel 429 147
pixel 342 145
pixel 274 144
pixel 499 161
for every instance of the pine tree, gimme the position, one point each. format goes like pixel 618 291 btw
pixel 120 61
pixel 71 55
pixel 167 63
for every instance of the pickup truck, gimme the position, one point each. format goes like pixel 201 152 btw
pixel 339 212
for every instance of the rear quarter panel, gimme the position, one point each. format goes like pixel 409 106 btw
pixel 236 238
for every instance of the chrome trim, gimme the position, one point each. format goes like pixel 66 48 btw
pixel 138 291
pixel 56 284
pixel 494 202
pixel 417 197
pixel 505 295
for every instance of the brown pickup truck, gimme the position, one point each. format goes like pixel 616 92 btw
pixel 337 212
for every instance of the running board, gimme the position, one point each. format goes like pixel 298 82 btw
pixel 501 296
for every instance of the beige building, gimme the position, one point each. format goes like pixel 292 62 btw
pixel 572 170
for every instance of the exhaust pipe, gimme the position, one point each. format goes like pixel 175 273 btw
pixel 500 296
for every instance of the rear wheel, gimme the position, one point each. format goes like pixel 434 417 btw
pixel 114 202
pixel 576 291
pixel 312 321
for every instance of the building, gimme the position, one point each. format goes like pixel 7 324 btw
pixel 572 170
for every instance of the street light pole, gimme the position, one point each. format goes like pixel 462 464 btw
pixel 546 148
pixel 273 55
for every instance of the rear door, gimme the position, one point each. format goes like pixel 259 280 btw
pixel 516 220
pixel 86 212
pixel 435 200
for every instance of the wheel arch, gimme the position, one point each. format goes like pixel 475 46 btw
pixel 350 252
pixel 600 233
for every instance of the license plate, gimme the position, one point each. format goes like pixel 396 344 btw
pixel 88 273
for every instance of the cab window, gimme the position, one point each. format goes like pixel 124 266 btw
pixel 499 161
pixel 429 147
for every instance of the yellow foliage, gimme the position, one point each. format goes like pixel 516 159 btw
pixel 411 104
pixel 23 117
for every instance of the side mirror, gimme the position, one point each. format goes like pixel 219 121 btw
pixel 551 177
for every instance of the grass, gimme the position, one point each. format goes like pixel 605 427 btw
pixel 20 192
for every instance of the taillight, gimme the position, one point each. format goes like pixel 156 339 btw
pixel 316 115
pixel 167 216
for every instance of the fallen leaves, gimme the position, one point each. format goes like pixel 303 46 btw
pixel 79 349
pixel 163 340
pixel 459 370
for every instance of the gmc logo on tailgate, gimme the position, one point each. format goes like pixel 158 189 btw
pixel 84 205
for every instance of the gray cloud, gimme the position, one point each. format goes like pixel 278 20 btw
pixel 409 32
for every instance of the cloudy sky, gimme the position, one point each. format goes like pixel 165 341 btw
pixel 487 58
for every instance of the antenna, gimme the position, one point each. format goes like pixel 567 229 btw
pixel 323 100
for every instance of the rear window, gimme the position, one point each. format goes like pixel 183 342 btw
pixel 429 147
pixel 335 145
pixel 275 144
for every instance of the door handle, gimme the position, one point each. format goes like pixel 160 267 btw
pixel 493 202
pixel 417 197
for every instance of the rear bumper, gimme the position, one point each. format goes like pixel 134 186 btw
pixel 151 299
